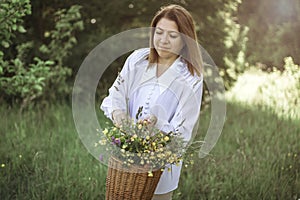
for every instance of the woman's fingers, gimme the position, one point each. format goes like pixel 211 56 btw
pixel 119 117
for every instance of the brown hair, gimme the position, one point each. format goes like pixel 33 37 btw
pixel 190 52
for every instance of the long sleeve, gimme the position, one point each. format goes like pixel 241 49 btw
pixel 186 114
pixel 119 92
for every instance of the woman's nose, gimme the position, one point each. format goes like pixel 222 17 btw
pixel 164 38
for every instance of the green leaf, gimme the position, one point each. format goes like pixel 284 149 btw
pixel 38 87
pixel 21 29
pixel 40 79
pixel 5 44
pixel 49 62
pixel 44 49
pixel 14 27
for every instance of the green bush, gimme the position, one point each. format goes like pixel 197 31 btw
pixel 274 26
pixel 276 90
pixel 23 80
pixel 281 90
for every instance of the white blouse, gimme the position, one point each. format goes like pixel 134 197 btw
pixel 174 98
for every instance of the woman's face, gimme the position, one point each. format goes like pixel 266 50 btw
pixel 167 39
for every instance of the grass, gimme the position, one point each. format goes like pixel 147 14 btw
pixel 44 158
pixel 256 157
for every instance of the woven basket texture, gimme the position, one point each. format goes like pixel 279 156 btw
pixel 129 184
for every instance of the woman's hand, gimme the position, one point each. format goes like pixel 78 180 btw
pixel 119 117
pixel 152 120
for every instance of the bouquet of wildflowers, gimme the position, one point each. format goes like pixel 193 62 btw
pixel 137 143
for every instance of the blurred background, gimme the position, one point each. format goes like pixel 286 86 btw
pixel 254 43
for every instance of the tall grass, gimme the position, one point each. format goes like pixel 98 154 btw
pixel 42 157
pixel 256 157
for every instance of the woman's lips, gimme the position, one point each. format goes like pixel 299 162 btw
pixel 163 48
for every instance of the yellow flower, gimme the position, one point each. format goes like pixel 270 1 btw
pixel 105 131
pixel 150 174
pixel 153 143
pixel 147 137
pixel 133 137
pixel 140 126
pixel 102 142
pixel 2 165
pixel 166 138
pixel 152 157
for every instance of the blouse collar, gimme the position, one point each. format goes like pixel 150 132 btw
pixel 167 77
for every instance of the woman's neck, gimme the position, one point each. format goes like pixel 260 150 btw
pixel 163 65
pixel 166 62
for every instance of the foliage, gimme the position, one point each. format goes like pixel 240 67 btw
pixel 26 84
pixel 281 91
pixel 62 37
pixel 59 48
pixel 217 28
pixel 273 30
pixel 221 35
pixel 235 43
pixel 11 14
pixel 276 90
pixel 53 31
pixel 24 79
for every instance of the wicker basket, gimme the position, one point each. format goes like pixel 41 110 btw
pixel 129 185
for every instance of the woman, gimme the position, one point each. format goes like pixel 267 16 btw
pixel 165 80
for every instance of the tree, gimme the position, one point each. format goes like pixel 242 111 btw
pixel 274 27
pixel 23 79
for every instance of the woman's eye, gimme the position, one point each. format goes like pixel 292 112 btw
pixel 173 36
pixel 158 32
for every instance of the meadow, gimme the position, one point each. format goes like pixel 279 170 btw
pixel 256 157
